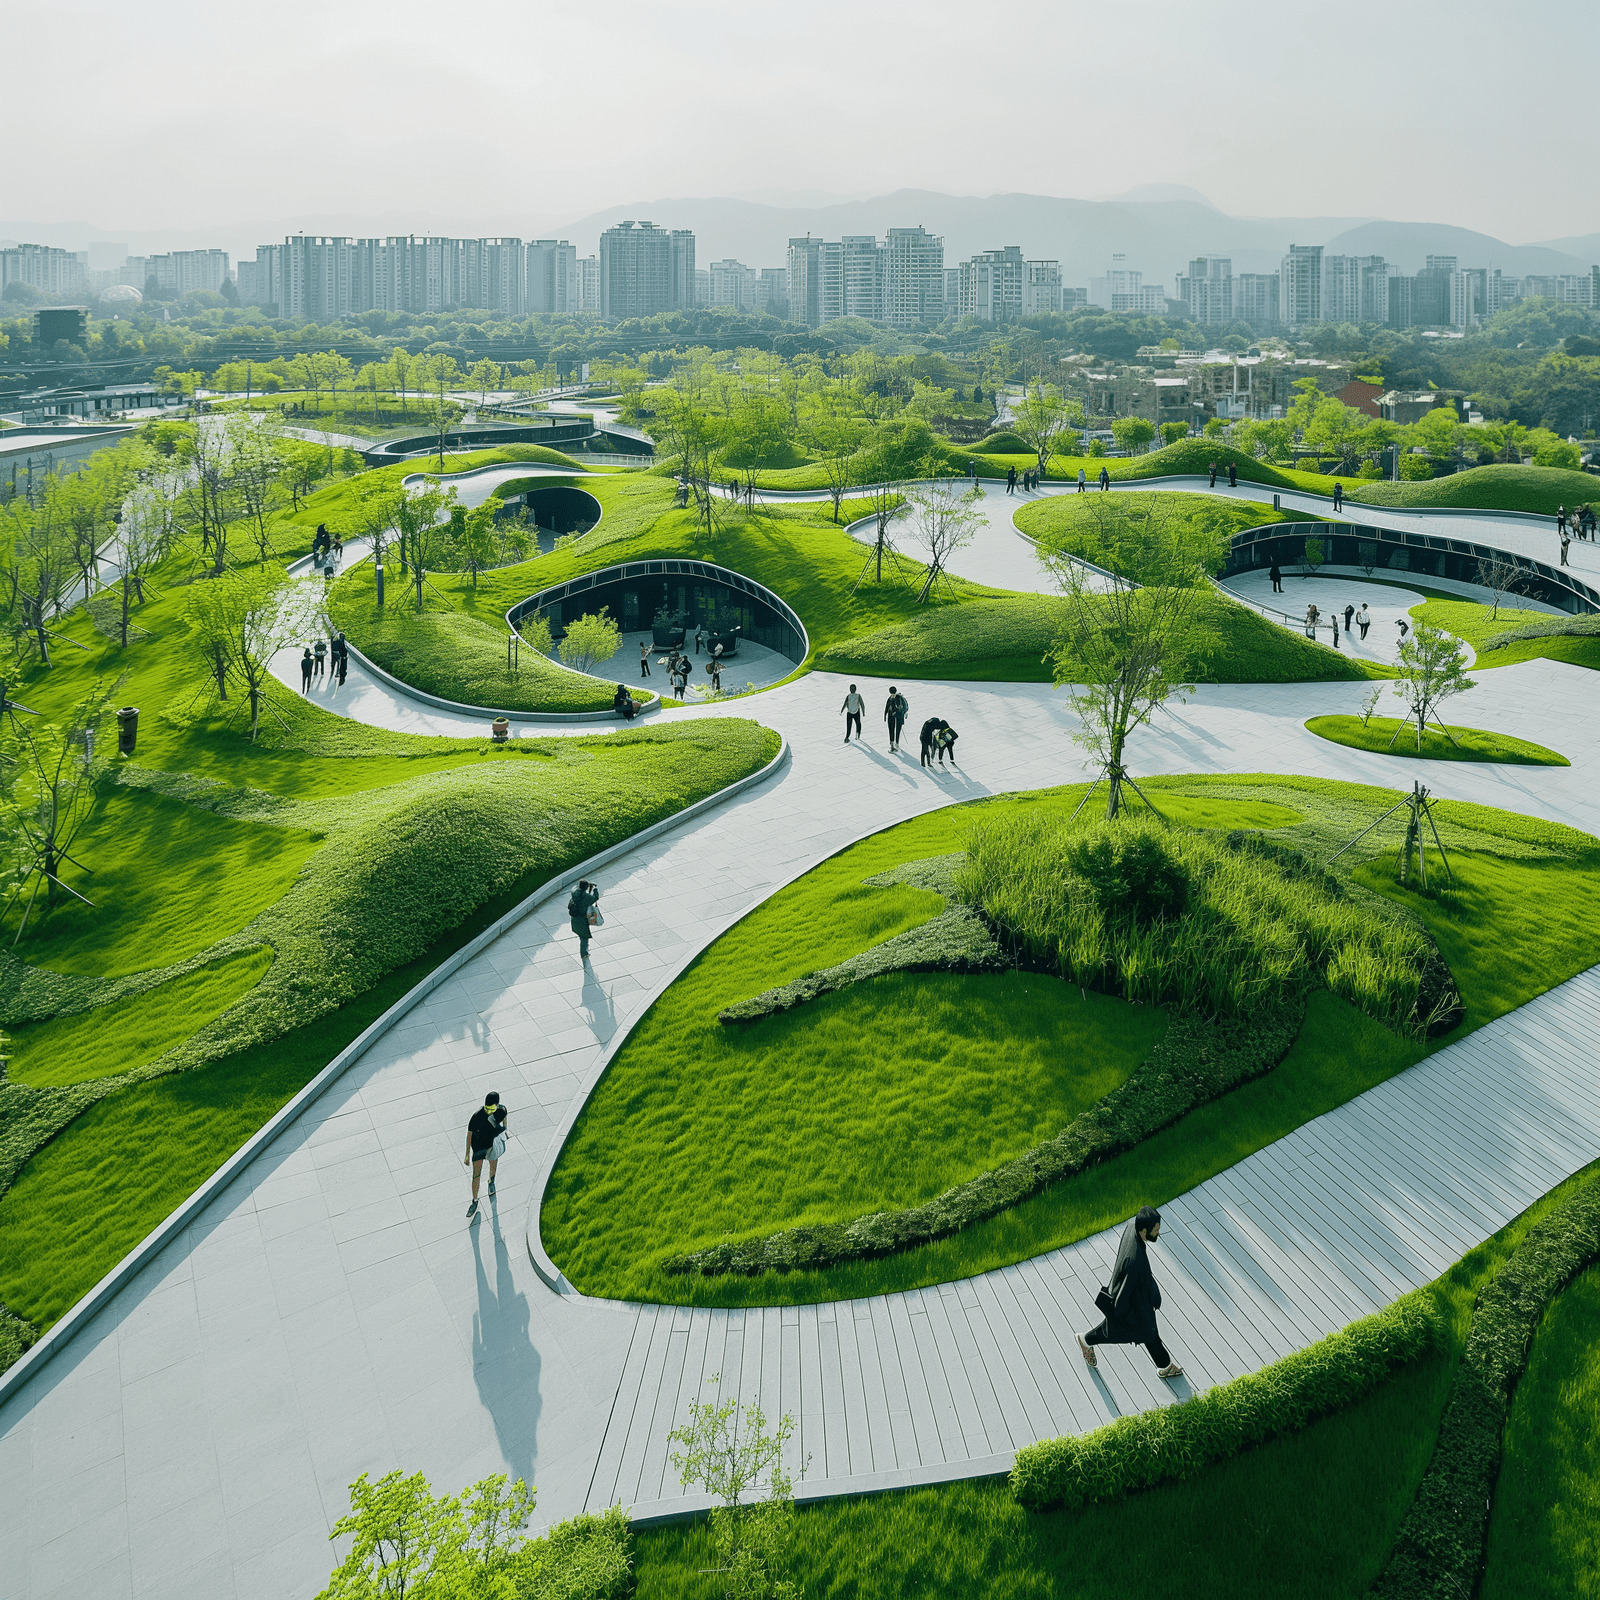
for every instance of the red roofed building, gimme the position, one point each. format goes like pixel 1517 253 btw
pixel 1363 396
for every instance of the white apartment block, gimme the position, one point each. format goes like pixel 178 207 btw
pixel 57 274
pixel 912 278
pixel 1206 290
pixel 992 285
pixel 1300 285
pixel 1120 283
pixel 1256 299
pixel 1041 287
pixel 589 272
pixel 1341 289
pixel 554 280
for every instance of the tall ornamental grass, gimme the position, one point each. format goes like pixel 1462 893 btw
pixel 1177 917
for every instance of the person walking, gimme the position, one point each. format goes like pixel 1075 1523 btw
pixel 699 639
pixel 1132 1298
pixel 1276 574
pixel 1233 474
pixel 305 671
pixel 852 708
pixel 714 667
pixel 1011 480
pixel 486 1141
pixel 1333 617
pixel 1363 619
pixel 1105 479
pixel 930 730
pixel 1565 542
pixel 1403 626
pixel 1338 495
pixel 1349 612
pixel 644 658
pixel 974 474
pixel 1561 519
pixel 342 646
pixel 581 912
pixel 895 711
pixel 1083 481
pixel 1212 481
pixel 320 654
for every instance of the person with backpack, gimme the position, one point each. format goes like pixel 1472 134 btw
pixel 1105 479
pixel 930 732
pixel 1130 1301
pixel 1276 574
pixel 895 711
pixel 945 743
pixel 341 651
pixel 486 1141
pixel 582 913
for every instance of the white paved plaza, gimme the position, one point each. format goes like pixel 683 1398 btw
pixel 329 1313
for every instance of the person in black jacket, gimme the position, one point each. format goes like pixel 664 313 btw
pixel 1135 1299
pixel 930 733
pixel 583 900
pixel 486 1131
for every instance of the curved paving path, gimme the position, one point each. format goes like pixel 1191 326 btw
pixel 328 1313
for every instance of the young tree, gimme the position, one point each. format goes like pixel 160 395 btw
pixel 834 437
pixel 484 377
pixel 1040 418
pixel 403 1540
pixel 727 1451
pixel 1311 557
pixel 255 440
pixel 146 537
pixel 400 368
pixel 416 516
pixel 590 640
pixel 211 492
pixel 238 622
pixel 61 766
pixel 1131 635
pixel 1433 668
pixel 473 537
pixel 944 519
pixel 1502 577
pixel 1133 434
pixel 39 566
pixel 885 497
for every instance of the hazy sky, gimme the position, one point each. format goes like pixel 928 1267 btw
pixel 183 115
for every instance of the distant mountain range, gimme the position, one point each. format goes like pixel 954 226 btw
pixel 1159 227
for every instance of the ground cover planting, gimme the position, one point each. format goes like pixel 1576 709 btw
pixel 152 1034
pixel 1515 635
pixel 1398 736
pixel 612 1243
pixel 1314 1511
pixel 1503 488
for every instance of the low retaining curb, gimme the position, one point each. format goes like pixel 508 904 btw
pixel 172 1229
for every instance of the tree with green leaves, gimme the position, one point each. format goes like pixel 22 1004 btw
pixel 727 1452
pixel 417 519
pixel 1132 633
pixel 255 439
pixel 146 536
pixel 1433 669
pixel 237 623
pixel 590 640
pixel 835 436
pixel 1040 419
pixel 1133 434
pixel 944 517
pixel 472 538
pixel 36 548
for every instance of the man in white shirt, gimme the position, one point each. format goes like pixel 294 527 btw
pixel 852 708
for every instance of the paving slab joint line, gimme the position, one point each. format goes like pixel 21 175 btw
pixel 166 1232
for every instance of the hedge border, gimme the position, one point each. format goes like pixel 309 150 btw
pixel 1440 1547
pixel 1176 1441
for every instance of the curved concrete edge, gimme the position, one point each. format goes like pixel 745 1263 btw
pixel 167 1232
pixel 690 1507
pixel 533 469
pixel 552 1275
pixel 560 717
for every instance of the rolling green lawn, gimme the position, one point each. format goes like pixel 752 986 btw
pixel 1478 625
pixel 1068 522
pixel 1397 736
pixel 672 1156
pixel 1505 488
pixel 1311 1514
pixel 1544 1533
pixel 253 904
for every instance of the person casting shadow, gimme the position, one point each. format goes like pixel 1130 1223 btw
pixel 1130 1301
pixel 505 1364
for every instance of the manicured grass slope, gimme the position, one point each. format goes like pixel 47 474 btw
pixel 1478 625
pixel 1398 736
pixel 1311 1514
pixel 1504 488
pixel 1519 875
pixel 1544 1534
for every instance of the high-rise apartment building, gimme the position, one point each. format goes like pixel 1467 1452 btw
pixel 1300 285
pixel 1119 290
pixel 644 270
pixel 861 263
pixel 181 271
pixel 1206 290
pixel 1041 287
pixel 772 291
pixel 58 274
pixel 912 278
pixel 1374 305
pixel 589 272
pixel 816 281
pixel 553 278
pixel 1341 289
pixel 731 283
pixel 992 285
pixel 1430 299
pixel 1402 300
pixel 1256 299
pixel 493 275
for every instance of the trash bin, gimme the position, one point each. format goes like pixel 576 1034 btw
pixel 127 729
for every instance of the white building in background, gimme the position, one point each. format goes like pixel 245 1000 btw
pixel 554 282
pixel 992 285
pixel 912 278
pixel 816 281
pixel 1206 290
pixel 772 291
pixel 1256 299
pixel 1374 290
pixel 732 283
pixel 589 273
pixel 1300 285
pixel 56 274
pixel 1341 289
pixel 1041 287
pixel 1120 289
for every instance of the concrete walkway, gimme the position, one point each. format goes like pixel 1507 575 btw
pixel 329 1312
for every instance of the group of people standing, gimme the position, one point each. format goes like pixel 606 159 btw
pixel 1354 618
pixel 938 737
pixel 317 659
pixel 1580 522
pixel 1030 481
pixel 1233 475
pixel 1104 480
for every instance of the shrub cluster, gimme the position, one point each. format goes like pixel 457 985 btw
pixel 1197 1060
pixel 1099 904
pixel 1176 1441
pixel 1440 1548
pixel 16 1336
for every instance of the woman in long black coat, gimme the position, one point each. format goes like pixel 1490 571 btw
pixel 1135 1298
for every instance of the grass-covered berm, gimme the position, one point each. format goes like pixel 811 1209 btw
pixel 254 907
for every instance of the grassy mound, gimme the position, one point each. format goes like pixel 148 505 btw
pixel 681 1148
pixel 1397 736
pixel 1002 443
pixel 1526 635
pixel 1506 488
pixel 459 657
pixel 1009 639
